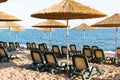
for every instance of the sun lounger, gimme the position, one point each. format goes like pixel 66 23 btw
pixel 100 57
pixel 56 51
pixel 80 67
pixel 18 47
pixel 28 45
pixel 88 53
pixel 52 63
pixel 38 61
pixel 73 49
pixel 12 47
pixel 5 57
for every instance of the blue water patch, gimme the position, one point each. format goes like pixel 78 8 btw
pixel 104 38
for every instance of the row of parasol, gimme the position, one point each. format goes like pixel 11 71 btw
pixel 70 9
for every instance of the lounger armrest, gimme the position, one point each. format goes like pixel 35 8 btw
pixel 62 64
pixel 12 56
pixel 98 69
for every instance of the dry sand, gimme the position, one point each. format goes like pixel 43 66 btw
pixel 16 70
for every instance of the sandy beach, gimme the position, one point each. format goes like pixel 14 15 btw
pixel 16 70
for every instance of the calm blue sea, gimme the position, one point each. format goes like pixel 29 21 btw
pixel 104 38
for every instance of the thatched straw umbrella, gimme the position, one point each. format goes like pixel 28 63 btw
pixel 50 24
pixel 17 29
pixel 2 1
pixel 66 10
pixel 83 27
pixel 46 30
pixel 11 25
pixel 112 21
pixel 7 17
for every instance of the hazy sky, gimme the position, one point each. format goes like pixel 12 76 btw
pixel 24 8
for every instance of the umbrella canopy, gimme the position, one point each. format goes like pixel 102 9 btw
pixel 2 1
pixel 45 29
pixel 112 21
pixel 50 24
pixel 68 9
pixel 83 27
pixel 10 24
pixel 12 27
pixel 16 29
pixel 7 17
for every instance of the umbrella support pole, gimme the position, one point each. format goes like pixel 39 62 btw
pixel 45 36
pixel 116 45
pixel 50 40
pixel 67 43
pixel 16 36
pixel 84 37
pixel 9 35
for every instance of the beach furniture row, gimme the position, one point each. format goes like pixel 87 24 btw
pixel 61 52
pixel 11 46
pixel 49 62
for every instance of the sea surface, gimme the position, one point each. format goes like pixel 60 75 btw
pixel 104 38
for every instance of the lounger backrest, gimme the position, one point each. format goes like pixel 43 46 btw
pixel 99 54
pixel 36 56
pixel 87 52
pixel 80 62
pixel 93 48
pixel 55 49
pixel 2 52
pixel 72 47
pixel 33 45
pixel 118 52
pixel 1 43
pixel 17 44
pixel 28 45
pixel 64 50
pixel 5 44
pixel 11 45
pixel 41 47
pixel 50 58
pixel 45 45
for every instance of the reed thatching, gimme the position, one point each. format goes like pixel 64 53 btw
pixel 68 9
pixel 2 1
pixel 6 17
pixel 83 26
pixel 50 24
pixel 10 24
pixel 17 29
pixel 44 29
pixel 112 21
